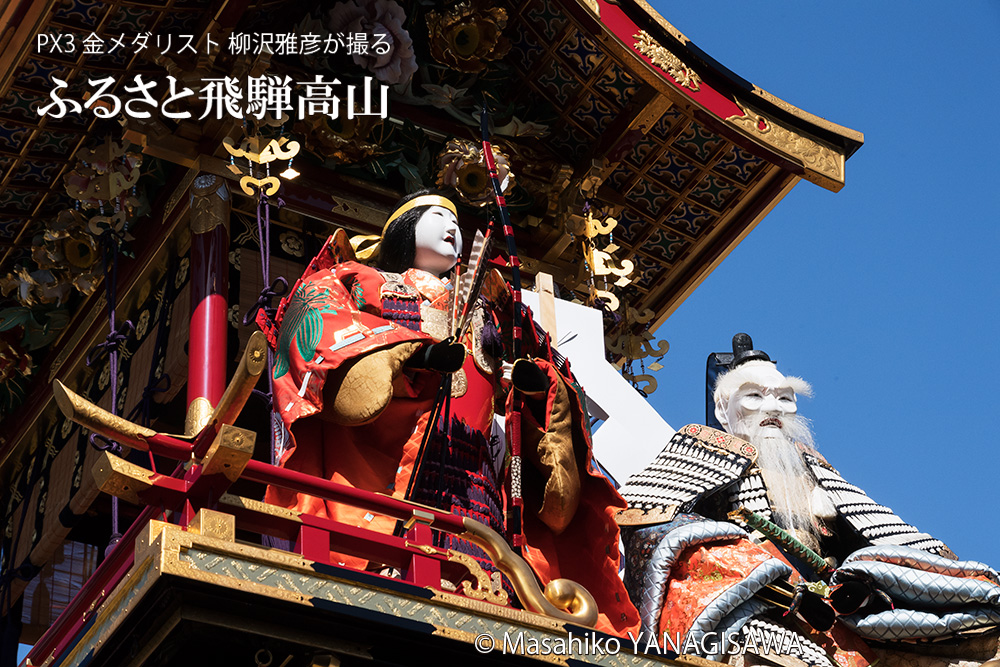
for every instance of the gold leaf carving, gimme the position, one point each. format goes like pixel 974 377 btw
pixel 666 61
pixel 484 589
pixel 814 155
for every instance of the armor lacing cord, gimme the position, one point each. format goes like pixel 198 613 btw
pixel 442 400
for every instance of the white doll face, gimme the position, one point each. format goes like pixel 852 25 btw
pixel 763 401
pixel 438 241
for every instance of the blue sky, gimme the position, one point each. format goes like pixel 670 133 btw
pixel 885 295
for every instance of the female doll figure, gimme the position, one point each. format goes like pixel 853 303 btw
pixel 361 352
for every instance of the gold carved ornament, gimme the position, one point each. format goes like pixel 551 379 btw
pixel 261 152
pixel 601 262
pixel 104 175
pixel 467 35
pixel 483 587
pixel 666 61
pixel 813 154
pixel 626 344
pixel 210 203
pixel 462 166
pixel 103 180
pixel 631 346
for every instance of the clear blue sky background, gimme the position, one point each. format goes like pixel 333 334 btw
pixel 885 295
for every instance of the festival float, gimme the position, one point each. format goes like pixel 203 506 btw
pixel 233 430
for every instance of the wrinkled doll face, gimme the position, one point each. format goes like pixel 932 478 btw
pixel 438 240
pixel 761 404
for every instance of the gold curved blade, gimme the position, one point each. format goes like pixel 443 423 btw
pixel 252 364
pixel 78 409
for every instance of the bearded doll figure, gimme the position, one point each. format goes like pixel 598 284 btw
pixel 747 538
pixel 363 353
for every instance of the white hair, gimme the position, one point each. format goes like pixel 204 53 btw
pixel 729 382
pixel 796 498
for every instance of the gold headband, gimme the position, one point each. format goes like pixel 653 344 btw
pixel 422 200
pixel 366 247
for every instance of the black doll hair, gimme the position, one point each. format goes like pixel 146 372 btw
pixel 398 249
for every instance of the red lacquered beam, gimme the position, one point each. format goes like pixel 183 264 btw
pixel 164 491
pixel 360 542
pixel 264 473
pixel 170 448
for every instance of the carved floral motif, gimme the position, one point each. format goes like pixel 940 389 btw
pixel 461 166
pixel 15 369
pixel 68 248
pixel 467 35
pixel 394 65
pixel 344 140
pixel 104 174
pixel 666 61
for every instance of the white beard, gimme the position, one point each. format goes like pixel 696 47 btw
pixel 797 500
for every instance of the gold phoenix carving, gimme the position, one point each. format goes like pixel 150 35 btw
pixel 666 61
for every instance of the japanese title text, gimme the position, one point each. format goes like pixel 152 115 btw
pixel 221 97
pixel 239 43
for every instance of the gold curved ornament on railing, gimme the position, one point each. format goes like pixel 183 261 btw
pixel 562 598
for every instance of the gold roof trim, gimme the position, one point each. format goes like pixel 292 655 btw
pixel 824 164
pixel 801 114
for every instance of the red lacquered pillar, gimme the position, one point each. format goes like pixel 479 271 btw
pixel 210 207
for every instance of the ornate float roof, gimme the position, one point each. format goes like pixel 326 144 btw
pixel 594 102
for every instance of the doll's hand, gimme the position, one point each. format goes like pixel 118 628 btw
pixel 444 357
pixel 528 378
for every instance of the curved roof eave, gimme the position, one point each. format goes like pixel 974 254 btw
pixel 844 137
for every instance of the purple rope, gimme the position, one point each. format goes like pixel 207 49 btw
pixel 111 243
pixel 264 234
pixel 277 289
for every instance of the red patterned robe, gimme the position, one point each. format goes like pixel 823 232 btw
pixel 340 311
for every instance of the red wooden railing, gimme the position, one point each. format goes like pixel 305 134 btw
pixel 186 490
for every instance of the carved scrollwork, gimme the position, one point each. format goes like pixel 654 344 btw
pixel 814 155
pixel 483 588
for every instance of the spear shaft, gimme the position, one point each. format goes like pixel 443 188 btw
pixel 514 418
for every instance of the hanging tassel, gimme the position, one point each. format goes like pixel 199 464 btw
pixel 492 342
